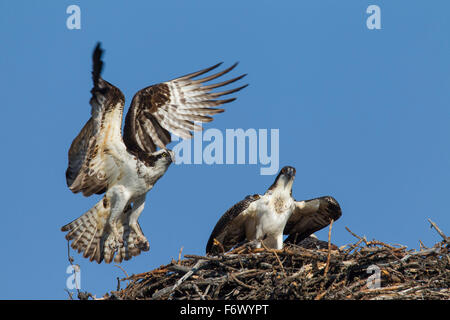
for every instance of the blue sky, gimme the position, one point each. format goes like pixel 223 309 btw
pixel 362 114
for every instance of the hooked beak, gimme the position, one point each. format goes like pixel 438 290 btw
pixel 285 179
pixel 288 171
pixel 172 155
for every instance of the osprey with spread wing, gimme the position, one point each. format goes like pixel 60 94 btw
pixel 126 168
pixel 265 218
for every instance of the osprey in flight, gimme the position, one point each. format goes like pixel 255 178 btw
pixel 267 217
pixel 126 168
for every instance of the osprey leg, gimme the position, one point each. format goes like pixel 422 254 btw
pixel 138 206
pixel 119 199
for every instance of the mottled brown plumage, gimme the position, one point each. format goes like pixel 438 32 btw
pixel 265 218
pixel 173 106
pixel 126 168
pixel 229 230
pixel 315 215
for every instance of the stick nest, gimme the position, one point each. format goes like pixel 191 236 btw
pixel 296 272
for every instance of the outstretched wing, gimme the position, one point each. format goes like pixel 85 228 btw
pixel 173 107
pixel 91 165
pixel 310 216
pixel 230 229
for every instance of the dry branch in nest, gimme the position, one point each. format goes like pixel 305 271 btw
pixel 299 273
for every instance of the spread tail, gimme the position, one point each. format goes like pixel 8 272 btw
pixel 92 235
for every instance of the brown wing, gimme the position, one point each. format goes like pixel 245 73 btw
pixel 310 216
pixel 91 166
pixel 173 107
pixel 230 229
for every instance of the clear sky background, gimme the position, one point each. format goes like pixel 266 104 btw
pixel 362 114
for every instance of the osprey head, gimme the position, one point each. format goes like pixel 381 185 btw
pixel 163 157
pixel 284 180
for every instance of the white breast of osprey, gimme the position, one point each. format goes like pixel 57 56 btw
pixel 135 176
pixel 272 212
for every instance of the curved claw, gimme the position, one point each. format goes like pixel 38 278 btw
pixel 142 243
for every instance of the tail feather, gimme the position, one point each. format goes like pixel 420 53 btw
pixel 87 232
pixel 91 235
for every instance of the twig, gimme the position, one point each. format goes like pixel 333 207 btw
pixel 373 290
pixel 126 274
pixel 68 253
pixel 194 256
pixel 329 249
pixel 438 230
pixel 179 268
pixel 69 293
pixel 409 255
pixel 242 283
pixel 356 236
pixel 327 265
pixel 118 279
pixel 320 295
pixel 170 290
pixel 422 246
pixel 196 288
pixel 276 256
pixel 179 255
pixel 352 247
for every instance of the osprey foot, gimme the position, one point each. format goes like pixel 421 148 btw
pixel 117 237
pixel 116 245
pixel 116 242
pixel 142 243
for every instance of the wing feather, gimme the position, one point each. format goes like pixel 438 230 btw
pixel 173 106
pixel 201 111
pixel 224 83
pixel 162 134
pixel 198 73
pixel 90 166
pixel 230 229
pixel 145 134
pixel 310 216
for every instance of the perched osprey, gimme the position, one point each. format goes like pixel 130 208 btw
pixel 267 217
pixel 125 169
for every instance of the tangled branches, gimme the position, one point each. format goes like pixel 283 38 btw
pixel 300 273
